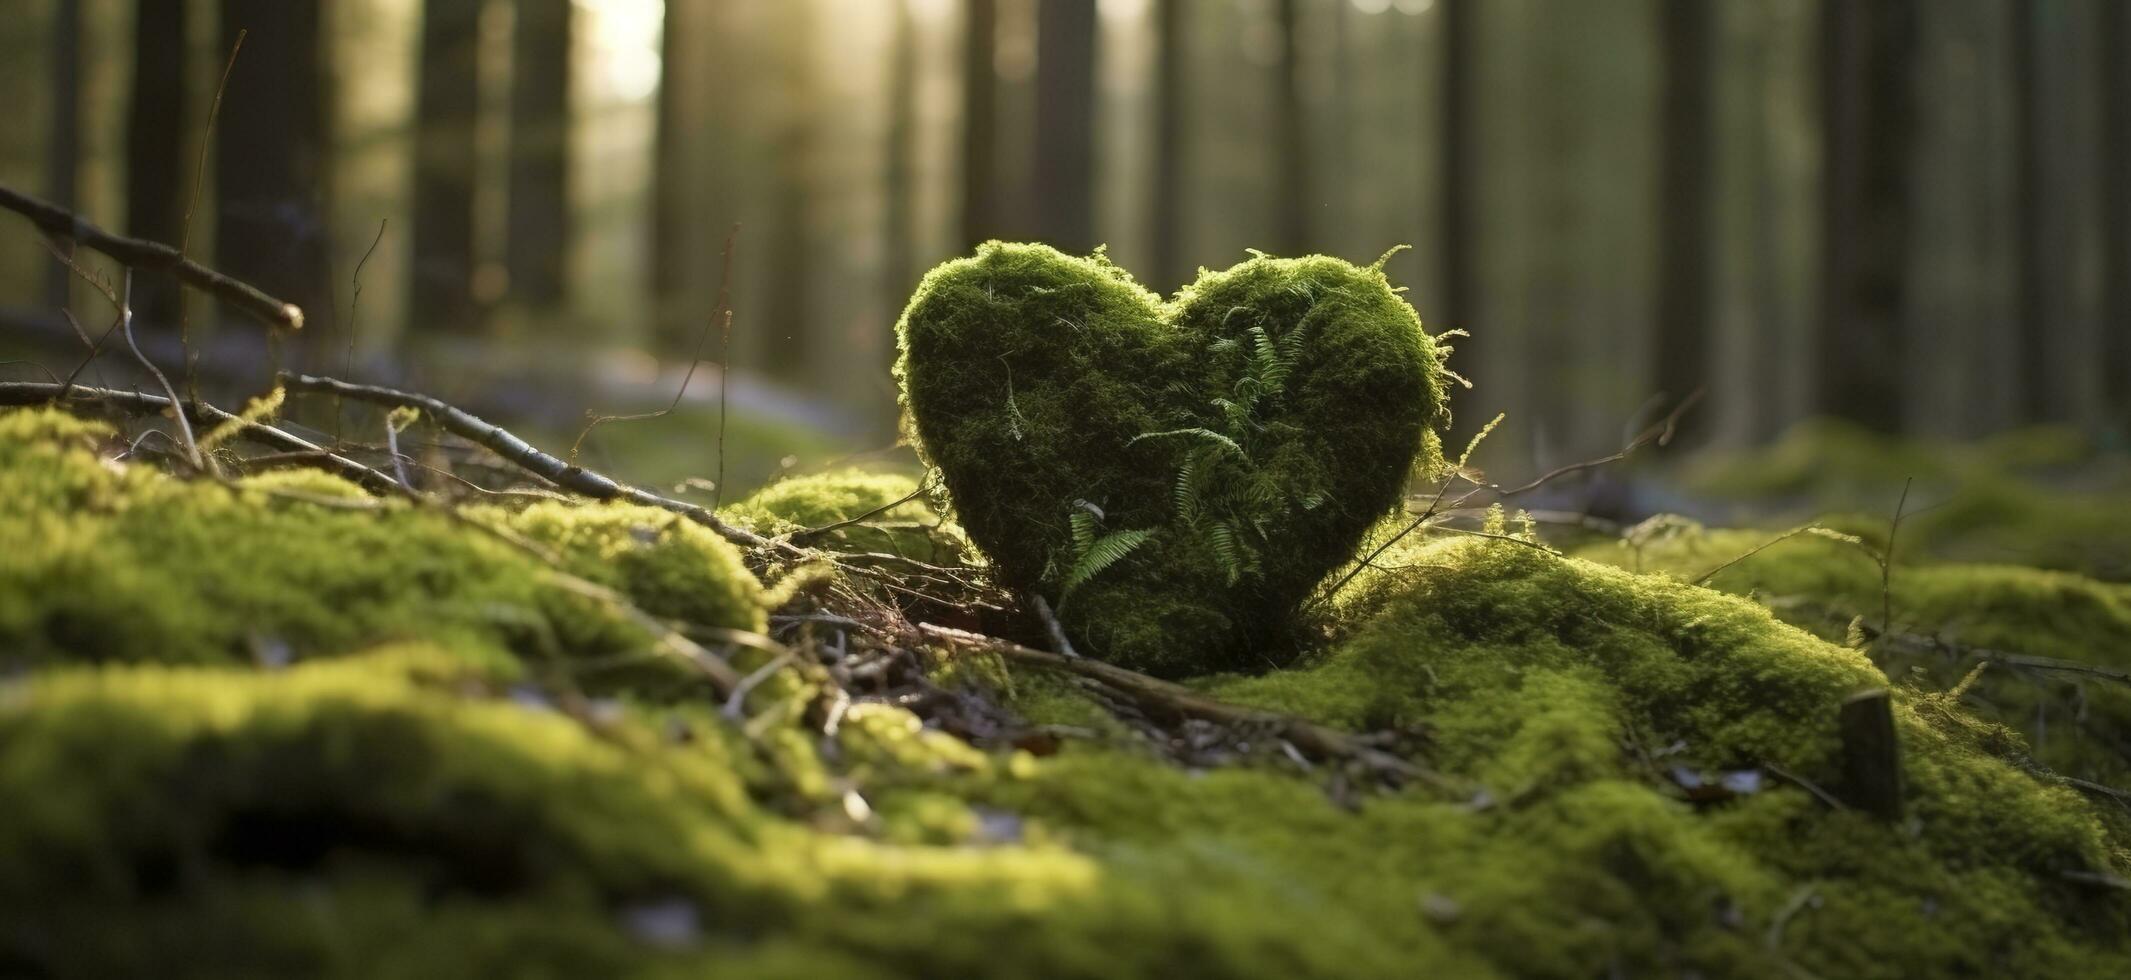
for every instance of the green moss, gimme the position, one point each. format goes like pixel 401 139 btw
pixel 130 565
pixel 2045 497
pixel 896 519
pixel 2076 724
pixel 1175 476
pixel 449 807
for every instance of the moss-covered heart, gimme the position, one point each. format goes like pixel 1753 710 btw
pixel 1175 476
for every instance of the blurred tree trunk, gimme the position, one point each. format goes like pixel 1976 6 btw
pixel 899 226
pixel 1292 180
pixel 1866 117
pixel 63 148
pixel 538 219
pixel 1455 142
pixel 980 143
pixel 272 155
pixel 1171 125
pixel 1065 124
pixel 2115 103
pixel 2038 242
pixel 1686 234
pixel 156 130
pixel 790 341
pixel 447 107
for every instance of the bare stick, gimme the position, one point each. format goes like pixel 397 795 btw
pixel 725 272
pixel 125 319
pixel 1053 626
pixel 500 441
pixel 809 534
pixel 1317 740
pixel 192 204
pixel 347 365
pixel 139 253
pixel 1660 434
pixel 1886 560
pixel 141 403
pixel 1763 546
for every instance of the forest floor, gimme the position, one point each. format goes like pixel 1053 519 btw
pixel 275 710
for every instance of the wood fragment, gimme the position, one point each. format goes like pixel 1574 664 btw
pixel 1872 763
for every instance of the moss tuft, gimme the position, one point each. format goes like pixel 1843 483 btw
pixel 911 528
pixel 130 565
pixel 1175 476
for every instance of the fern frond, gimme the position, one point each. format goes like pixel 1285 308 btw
pixel 1186 491
pixel 1106 551
pixel 1221 540
pixel 1196 432
pixel 1083 527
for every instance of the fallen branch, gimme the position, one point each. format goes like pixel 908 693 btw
pixel 520 453
pixel 1317 740
pixel 140 253
pixel 141 403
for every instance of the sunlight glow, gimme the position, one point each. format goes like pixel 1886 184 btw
pixel 623 36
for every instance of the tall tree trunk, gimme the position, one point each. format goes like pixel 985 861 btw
pixel 1065 123
pixel 156 128
pixel 2115 103
pixel 272 154
pixel 1171 138
pixel 1456 141
pixel 980 135
pixel 1292 188
pixel 2040 252
pixel 447 107
pixel 1684 229
pixel 63 149
pixel 538 217
pixel 899 227
pixel 1866 115
pixel 788 310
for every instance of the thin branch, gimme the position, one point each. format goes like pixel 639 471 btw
pixel 1053 626
pixel 702 340
pixel 1317 740
pixel 809 534
pixel 500 441
pixel 347 364
pixel 140 403
pixel 125 319
pixel 192 205
pixel 1763 546
pixel 139 253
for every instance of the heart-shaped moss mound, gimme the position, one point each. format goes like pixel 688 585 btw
pixel 1176 477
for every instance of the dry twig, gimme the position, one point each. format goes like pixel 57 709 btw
pixel 136 253
pixel 1313 739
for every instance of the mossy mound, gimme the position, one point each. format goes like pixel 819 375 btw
pixel 107 563
pixel 451 805
pixel 1950 618
pixel 1176 477
pixel 1635 754
pixel 2043 497
pixel 891 516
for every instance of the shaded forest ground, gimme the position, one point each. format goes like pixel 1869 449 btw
pixel 274 703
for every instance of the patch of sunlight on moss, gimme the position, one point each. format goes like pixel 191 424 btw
pixel 2072 723
pixel 125 564
pixel 912 528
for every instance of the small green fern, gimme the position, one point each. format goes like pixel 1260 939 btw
pixel 1100 554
